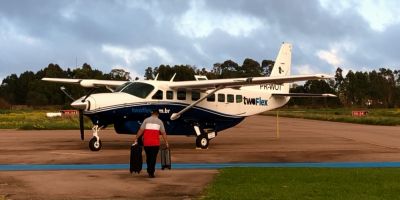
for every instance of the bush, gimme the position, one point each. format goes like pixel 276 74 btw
pixel 4 104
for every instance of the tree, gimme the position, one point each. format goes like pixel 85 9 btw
pixel 183 72
pixel 148 73
pixel 315 87
pixel 4 104
pixel 120 74
pixel 8 88
pixel 165 72
pixel 228 69
pixel 251 68
pixel 267 66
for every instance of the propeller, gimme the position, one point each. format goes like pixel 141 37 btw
pixel 81 125
pixel 81 105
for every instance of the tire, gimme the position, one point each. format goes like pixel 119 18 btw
pixel 94 145
pixel 202 141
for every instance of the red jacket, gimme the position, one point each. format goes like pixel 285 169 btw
pixel 151 135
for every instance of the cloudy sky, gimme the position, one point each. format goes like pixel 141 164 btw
pixel 352 34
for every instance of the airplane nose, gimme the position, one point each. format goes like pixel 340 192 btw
pixel 78 104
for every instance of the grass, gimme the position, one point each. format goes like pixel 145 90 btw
pixel 37 120
pixel 387 117
pixel 305 183
pixel 30 119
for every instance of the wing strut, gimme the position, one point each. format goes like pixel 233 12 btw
pixel 175 116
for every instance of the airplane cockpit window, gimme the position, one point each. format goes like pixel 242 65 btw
pixel 141 90
pixel 158 95
pixel 119 88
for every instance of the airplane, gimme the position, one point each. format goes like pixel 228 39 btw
pixel 201 107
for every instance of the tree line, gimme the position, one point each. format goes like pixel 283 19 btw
pixel 376 88
pixel 29 89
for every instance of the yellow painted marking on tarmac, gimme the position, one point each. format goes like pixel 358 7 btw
pixel 277 124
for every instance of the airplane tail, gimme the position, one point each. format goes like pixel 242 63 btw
pixel 283 61
pixel 282 66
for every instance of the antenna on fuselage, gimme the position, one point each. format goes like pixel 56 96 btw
pixel 156 76
pixel 172 79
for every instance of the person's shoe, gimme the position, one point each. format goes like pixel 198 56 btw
pixel 151 175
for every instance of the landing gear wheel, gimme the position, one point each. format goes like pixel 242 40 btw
pixel 202 141
pixel 94 145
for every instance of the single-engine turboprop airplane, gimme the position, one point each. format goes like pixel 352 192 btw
pixel 201 107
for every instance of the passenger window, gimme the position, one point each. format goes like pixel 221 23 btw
pixel 195 95
pixel 221 97
pixel 170 94
pixel 158 95
pixel 230 98
pixel 181 94
pixel 211 98
pixel 239 99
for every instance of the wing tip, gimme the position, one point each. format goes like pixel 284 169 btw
pixel 325 76
pixel 329 95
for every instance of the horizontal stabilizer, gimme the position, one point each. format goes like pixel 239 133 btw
pixel 302 95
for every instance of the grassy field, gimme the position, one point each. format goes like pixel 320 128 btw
pixel 305 183
pixel 387 117
pixel 37 120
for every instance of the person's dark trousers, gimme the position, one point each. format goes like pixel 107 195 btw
pixel 151 158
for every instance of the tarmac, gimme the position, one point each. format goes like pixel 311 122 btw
pixel 253 141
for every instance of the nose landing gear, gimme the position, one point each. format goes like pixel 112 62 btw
pixel 95 142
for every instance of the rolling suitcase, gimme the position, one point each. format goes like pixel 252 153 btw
pixel 136 160
pixel 165 158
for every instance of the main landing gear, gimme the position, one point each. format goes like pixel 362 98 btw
pixel 95 142
pixel 203 138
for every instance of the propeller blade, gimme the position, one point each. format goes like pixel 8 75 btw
pixel 81 125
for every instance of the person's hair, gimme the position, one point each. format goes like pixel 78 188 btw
pixel 155 111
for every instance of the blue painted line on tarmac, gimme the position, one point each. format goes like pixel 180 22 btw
pixel 52 167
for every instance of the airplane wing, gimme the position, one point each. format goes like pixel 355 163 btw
pixel 239 82
pixel 88 83
pixel 302 95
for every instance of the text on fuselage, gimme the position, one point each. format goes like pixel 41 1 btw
pixel 255 101
pixel 270 87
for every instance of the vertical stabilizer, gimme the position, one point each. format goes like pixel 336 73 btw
pixel 283 61
pixel 283 64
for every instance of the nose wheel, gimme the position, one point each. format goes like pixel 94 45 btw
pixel 95 142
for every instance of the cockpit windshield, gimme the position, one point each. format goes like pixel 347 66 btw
pixel 119 88
pixel 138 89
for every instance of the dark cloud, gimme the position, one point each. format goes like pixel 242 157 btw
pixel 35 33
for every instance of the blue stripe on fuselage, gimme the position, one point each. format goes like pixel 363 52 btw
pixel 129 117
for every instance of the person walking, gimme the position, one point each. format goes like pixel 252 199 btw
pixel 151 129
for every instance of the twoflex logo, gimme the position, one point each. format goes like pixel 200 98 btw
pixel 255 101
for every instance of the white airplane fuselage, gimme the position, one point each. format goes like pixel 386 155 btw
pixel 226 108
pixel 201 108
